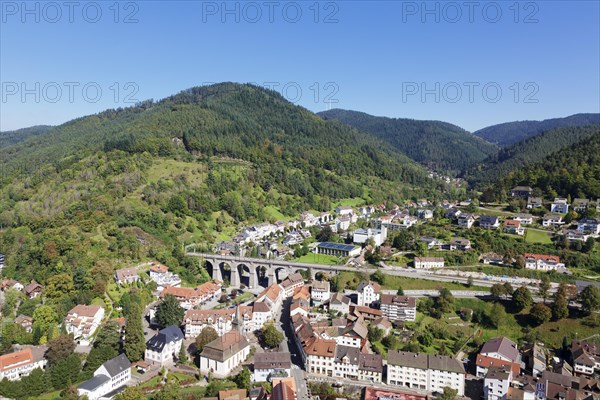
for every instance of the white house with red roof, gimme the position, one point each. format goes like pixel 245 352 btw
pixel 14 366
pixel 542 262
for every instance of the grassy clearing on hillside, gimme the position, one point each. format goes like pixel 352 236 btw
pixel 167 169
pixel 273 213
pixel 354 202
pixel 535 236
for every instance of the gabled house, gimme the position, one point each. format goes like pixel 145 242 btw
pixel 525 219
pixel 339 303
pixel 585 357
pixel 513 226
pixel 534 202
pixel 432 243
pixel 126 275
pixel 580 205
pixel 15 365
pixel 33 290
pixel 498 352
pixel 521 191
pixel 164 346
pixel 82 321
pixel 25 322
pixel 459 243
pixel 343 210
pixel 492 259
pixel 160 274
pixel 496 383
pixel 292 282
pixel 489 222
pixel 552 220
pixel 466 220
pixel 370 367
pixel 589 225
pixel 542 262
pixel 272 296
pixel 109 377
pixel 574 235
pixel 368 293
pixel 319 292
pixel 424 213
pixel 559 205
pixel 452 213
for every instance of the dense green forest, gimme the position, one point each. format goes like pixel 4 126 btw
pixel 110 189
pixel 510 133
pixel 437 144
pixel 8 138
pixel 574 171
pixel 528 152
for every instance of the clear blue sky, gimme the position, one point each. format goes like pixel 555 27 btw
pixel 377 56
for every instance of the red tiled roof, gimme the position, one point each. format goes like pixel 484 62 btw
pixel 544 257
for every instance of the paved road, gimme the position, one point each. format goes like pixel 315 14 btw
pixel 282 322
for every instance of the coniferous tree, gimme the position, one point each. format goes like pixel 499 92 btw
pixel 134 344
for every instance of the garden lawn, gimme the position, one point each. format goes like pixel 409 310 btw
pixel 535 236
pixel 313 258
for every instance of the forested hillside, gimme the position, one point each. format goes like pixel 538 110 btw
pixel 109 189
pixel 528 152
pixel 573 171
pixel 510 133
pixel 437 144
pixel 8 138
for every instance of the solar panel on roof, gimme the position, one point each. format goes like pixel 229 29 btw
pixel 337 246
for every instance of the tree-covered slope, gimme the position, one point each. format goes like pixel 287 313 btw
pixel 436 144
pixel 573 171
pixel 510 133
pixel 8 138
pixel 528 152
pixel 111 189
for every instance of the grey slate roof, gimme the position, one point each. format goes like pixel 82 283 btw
pixel 117 365
pixel 370 362
pixel 445 363
pixel 276 360
pixel 167 335
pixel 94 382
pixel 403 358
pixel 503 346
pixel 346 351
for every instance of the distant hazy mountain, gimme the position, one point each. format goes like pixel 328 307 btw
pixel 434 143
pixel 512 132
pixel 8 138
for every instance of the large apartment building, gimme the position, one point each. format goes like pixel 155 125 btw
pixel 425 372
pixel 398 308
